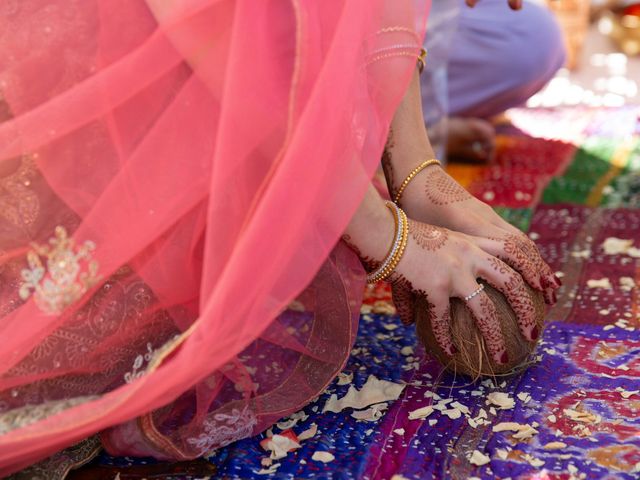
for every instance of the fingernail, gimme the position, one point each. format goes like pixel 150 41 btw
pixel 535 333
pixel 558 281
pixel 504 359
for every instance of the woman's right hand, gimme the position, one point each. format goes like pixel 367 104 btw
pixel 439 264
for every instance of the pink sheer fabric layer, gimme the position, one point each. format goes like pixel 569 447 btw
pixel 174 177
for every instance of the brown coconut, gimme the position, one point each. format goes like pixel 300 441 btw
pixel 472 357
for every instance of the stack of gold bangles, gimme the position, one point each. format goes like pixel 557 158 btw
pixel 394 255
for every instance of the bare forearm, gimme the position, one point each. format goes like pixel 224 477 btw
pixel 408 144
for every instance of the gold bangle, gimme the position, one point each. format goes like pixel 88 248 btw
pixel 397 240
pixel 400 252
pixel 397 249
pixel 414 172
pixel 421 60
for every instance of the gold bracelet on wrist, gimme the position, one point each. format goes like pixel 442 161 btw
pixel 414 172
pixel 400 252
pixel 397 238
pixel 396 251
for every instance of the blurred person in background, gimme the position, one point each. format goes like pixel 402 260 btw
pixel 481 61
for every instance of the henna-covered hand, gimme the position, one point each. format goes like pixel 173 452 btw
pixel 436 198
pixel 439 264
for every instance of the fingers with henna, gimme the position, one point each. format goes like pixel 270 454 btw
pixel 502 277
pixel 404 301
pixel 511 253
pixel 549 281
pixel 520 253
pixel 440 317
pixel 486 317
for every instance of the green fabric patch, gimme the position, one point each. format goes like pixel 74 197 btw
pixel 590 163
pixel 518 217
pixel 624 190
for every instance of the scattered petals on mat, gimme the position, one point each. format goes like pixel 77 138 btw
pixel 309 432
pixel 345 378
pixel 373 391
pixel 371 414
pixel 577 409
pixel 324 457
pixel 269 470
pixel 422 412
pixel 561 397
pixel 280 444
pixel 599 283
pixel 500 400
pixel 615 246
pixel 292 421
pixel 478 458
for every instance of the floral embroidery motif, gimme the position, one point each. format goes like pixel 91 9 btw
pixel 69 272
pixel 137 370
pixel 150 358
pixel 223 429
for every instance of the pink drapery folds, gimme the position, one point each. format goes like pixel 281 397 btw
pixel 175 176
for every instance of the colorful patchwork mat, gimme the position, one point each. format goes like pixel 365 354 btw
pixel 575 412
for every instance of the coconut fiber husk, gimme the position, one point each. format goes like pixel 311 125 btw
pixel 472 358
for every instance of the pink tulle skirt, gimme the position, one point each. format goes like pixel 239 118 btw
pixel 174 180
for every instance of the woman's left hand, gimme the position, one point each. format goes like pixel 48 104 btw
pixel 434 197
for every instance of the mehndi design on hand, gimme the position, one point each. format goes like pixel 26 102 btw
pixel 427 236
pixel 441 189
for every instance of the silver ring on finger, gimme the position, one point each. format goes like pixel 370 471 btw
pixel 474 293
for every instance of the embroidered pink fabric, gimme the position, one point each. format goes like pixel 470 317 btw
pixel 175 176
